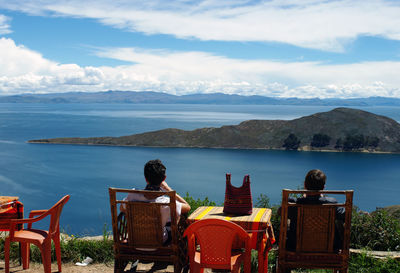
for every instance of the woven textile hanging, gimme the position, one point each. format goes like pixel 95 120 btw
pixel 238 201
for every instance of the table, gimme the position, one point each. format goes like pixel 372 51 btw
pixel 258 224
pixel 10 208
pixel 4 200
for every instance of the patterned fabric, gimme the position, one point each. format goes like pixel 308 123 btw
pixel 238 200
pixel 10 208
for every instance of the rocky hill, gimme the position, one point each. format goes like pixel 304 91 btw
pixel 342 129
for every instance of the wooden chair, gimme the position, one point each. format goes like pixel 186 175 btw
pixel 315 232
pixel 138 230
pixel 40 238
pixel 215 238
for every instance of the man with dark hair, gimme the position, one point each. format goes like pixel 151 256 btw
pixel 154 173
pixel 314 180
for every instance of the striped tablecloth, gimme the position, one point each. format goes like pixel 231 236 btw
pixel 4 202
pixel 10 208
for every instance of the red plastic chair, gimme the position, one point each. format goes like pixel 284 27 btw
pixel 215 238
pixel 40 238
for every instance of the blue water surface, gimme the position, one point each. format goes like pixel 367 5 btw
pixel 41 174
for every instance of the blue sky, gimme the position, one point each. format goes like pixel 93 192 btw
pixel 287 48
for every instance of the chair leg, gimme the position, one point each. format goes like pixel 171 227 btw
pixel 177 267
pixel 236 268
pixel 195 268
pixel 25 253
pixel 263 261
pixel 265 264
pixel 46 256
pixel 7 255
pixel 119 265
pixel 57 247
pixel 185 269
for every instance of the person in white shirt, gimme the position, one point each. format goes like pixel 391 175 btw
pixel 154 173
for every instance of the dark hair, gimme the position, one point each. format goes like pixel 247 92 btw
pixel 315 180
pixel 154 172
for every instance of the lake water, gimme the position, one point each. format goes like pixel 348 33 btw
pixel 41 174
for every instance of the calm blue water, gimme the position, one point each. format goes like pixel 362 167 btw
pixel 42 174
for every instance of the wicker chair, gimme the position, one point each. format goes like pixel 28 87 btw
pixel 315 232
pixel 138 231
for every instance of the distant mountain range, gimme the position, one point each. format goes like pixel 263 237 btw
pixel 164 98
pixel 342 129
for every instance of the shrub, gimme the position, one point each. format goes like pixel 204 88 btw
pixel 14 255
pixel 194 204
pixel 320 140
pixel 376 231
pixel 339 143
pixel 362 263
pixel 372 142
pixel 291 142
pixel 355 142
pixel 262 201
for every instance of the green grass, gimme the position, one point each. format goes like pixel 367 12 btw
pixel 72 250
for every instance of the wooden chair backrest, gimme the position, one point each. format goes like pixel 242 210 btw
pixel 315 228
pixel 141 226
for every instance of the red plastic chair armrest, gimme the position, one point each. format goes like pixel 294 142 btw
pixel 36 212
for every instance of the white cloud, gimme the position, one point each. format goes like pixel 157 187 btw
pixel 23 70
pixel 317 24
pixel 4 26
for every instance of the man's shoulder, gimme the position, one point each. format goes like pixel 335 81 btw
pixel 328 200
pixel 316 200
pixel 133 196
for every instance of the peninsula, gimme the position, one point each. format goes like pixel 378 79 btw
pixel 341 129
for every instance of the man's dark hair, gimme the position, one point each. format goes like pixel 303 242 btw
pixel 315 180
pixel 154 172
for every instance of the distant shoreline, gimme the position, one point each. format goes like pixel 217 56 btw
pixel 214 148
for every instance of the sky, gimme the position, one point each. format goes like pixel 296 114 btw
pixel 286 48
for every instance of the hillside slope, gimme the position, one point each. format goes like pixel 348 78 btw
pixel 343 129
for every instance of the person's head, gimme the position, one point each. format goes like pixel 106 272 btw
pixel 154 172
pixel 315 180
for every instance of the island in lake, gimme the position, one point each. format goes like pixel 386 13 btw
pixel 342 129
